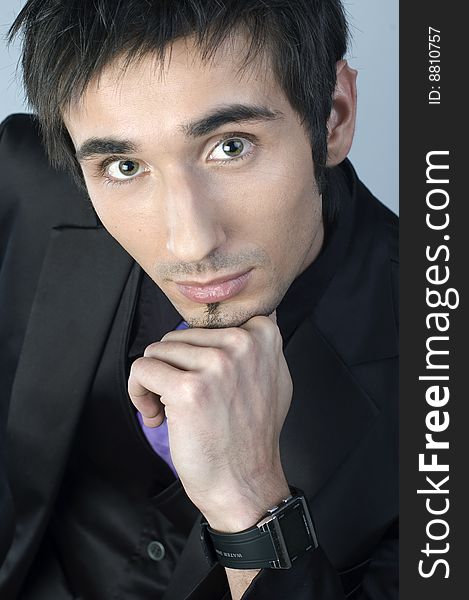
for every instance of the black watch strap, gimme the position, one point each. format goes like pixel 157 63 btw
pixel 286 532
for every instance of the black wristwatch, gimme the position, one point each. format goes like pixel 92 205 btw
pixel 275 542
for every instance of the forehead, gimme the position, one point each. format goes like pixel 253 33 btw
pixel 163 93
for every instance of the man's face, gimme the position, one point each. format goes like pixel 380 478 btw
pixel 203 173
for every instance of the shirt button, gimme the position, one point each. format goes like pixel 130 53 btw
pixel 155 550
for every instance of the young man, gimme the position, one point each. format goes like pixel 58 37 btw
pixel 211 137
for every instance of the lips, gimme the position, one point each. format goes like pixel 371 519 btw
pixel 216 290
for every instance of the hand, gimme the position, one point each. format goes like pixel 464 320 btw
pixel 226 393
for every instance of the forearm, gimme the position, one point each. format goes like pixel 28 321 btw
pixel 239 581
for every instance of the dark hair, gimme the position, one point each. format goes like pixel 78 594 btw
pixel 66 43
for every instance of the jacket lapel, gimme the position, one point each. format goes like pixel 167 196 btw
pixel 328 415
pixel 80 285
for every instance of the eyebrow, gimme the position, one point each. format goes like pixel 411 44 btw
pixel 232 113
pixel 96 146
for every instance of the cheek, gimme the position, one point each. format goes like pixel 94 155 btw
pixel 288 234
pixel 282 206
pixel 137 232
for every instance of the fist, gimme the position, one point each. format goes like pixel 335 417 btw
pixel 225 394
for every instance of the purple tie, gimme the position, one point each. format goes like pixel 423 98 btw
pixel 158 436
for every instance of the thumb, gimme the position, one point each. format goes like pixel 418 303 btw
pixel 273 317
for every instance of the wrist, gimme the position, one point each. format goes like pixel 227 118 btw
pixel 274 542
pixel 240 511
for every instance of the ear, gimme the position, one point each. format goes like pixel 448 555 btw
pixel 341 122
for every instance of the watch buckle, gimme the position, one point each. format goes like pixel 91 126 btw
pixel 271 526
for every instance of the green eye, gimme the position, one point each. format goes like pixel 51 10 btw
pixel 120 170
pixel 128 167
pixel 233 147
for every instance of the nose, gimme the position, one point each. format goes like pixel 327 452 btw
pixel 193 224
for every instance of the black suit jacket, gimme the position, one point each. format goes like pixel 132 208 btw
pixel 60 269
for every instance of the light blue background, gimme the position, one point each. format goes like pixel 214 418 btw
pixel 373 51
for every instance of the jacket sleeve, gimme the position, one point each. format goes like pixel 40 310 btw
pixel 34 198
pixel 26 219
pixel 313 577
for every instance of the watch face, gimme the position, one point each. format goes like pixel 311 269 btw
pixel 291 530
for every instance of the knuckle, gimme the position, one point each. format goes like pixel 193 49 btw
pixel 136 377
pixel 218 360
pixel 136 366
pixel 241 340
pixel 276 337
pixel 269 333
pixel 167 336
pixel 193 387
pixel 150 349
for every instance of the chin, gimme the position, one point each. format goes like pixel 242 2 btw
pixel 218 315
